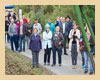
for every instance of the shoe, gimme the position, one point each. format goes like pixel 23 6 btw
pixel 23 50
pixel 59 65
pixel 19 51
pixel 33 67
pixel 53 65
pixel 48 64
pixel 85 72
pixel 91 73
pixel 37 66
pixel 44 63
pixel 73 67
pixel 65 54
pixel 82 66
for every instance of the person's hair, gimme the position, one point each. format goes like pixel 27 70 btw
pixel 35 29
pixel 67 17
pixel 57 27
pixel 74 23
pixel 47 25
pixel 18 21
pixel 36 19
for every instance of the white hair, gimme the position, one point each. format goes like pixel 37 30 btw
pixel 47 25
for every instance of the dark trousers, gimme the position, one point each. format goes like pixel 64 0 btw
pixel 74 54
pixel 7 37
pixel 83 60
pixel 14 40
pixel 59 55
pixel 64 44
pixel 35 58
pixel 47 55
pixel 22 39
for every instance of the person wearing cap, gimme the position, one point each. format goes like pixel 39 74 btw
pixel 52 27
pixel 74 37
pixel 22 30
pixel 47 44
pixel 38 26
pixel 35 46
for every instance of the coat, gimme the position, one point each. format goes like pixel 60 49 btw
pixel 35 42
pixel 47 39
pixel 77 39
pixel 60 39
pixel 66 28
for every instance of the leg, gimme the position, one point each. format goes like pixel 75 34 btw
pixel 65 52
pixel 37 58
pixel 86 60
pixel 59 56
pixel 54 55
pixel 49 53
pixel 33 58
pixel 12 43
pixel 20 42
pixel 23 43
pixel 45 56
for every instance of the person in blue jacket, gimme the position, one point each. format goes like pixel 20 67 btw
pixel 52 27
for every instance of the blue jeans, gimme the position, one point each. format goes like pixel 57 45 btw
pixel 59 55
pixel 7 38
pixel 22 38
pixel 86 56
pixel 14 40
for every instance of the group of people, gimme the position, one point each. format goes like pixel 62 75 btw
pixel 55 37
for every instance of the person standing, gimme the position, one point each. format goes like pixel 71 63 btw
pixel 74 36
pixel 35 46
pixel 52 27
pixel 22 30
pixel 28 32
pixel 57 41
pixel 64 30
pixel 47 44
pixel 7 23
pixel 13 34
pixel 38 26
pixel 70 25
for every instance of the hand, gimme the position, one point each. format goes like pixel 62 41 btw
pixel 59 43
pixel 29 31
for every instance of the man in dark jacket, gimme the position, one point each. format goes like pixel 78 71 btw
pixel 7 23
pixel 64 30
pixel 29 29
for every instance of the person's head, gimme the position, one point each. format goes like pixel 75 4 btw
pixel 10 18
pixel 49 20
pixel 74 25
pixel 18 22
pixel 47 27
pixel 60 18
pixel 12 21
pixel 6 18
pixel 21 22
pixel 57 28
pixel 68 18
pixel 36 21
pixel 63 19
pixel 35 30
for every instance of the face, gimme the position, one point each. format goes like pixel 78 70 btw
pixel 28 20
pixel 57 29
pixel 36 21
pixel 21 22
pixel 63 19
pixel 6 18
pixel 35 31
pixel 49 20
pixel 12 21
pixel 17 22
pixel 58 19
pixel 74 26
pixel 67 19
pixel 47 28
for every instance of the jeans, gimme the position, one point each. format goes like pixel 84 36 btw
pixel 7 37
pixel 47 55
pixel 35 58
pixel 86 62
pixel 14 40
pixel 22 38
pixel 82 54
pixel 74 54
pixel 59 55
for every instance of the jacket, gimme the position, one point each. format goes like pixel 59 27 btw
pixel 47 39
pixel 35 42
pixel 77 39
pixel 60 39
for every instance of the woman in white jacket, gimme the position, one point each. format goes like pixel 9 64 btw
pixel 47 44
pixel 74 37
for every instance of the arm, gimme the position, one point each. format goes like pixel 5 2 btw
pixel 40 28
pixel 70 34
pixel 40 43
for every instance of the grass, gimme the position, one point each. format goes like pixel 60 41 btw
pixel 17 64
